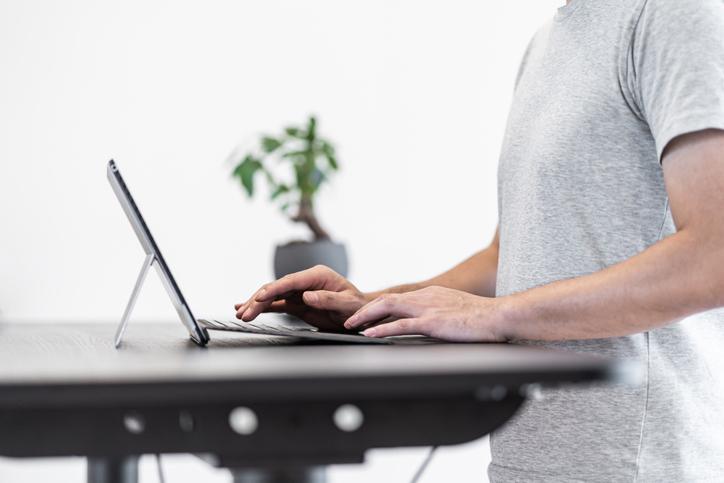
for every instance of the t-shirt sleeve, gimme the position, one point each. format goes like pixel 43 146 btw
pixel 677 67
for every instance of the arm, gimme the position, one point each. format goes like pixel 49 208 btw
pixel 676 277
pixel 475 275
pixel 325 299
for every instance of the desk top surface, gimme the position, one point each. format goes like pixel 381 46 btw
pixel 59 363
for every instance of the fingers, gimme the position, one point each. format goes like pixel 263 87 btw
pixel 335 301
pixel 242 308
pixel 411 326
pixel 307 314
pixel 294 304
pixel 321 321
pixel 311 279
pixel 392 305
pixel 252 308
pixel 363 327
pixel 286 307
pixel 246 313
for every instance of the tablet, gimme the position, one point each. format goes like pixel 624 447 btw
pixel 198 334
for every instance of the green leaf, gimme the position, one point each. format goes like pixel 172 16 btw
pixel 270 144
pixel 269 177
pixel 245 171
pixel 295 132
pixel 328 153
pixel 326 147
pixel 295 154
pixel 333 163
pixel 281 189
pixel 311 128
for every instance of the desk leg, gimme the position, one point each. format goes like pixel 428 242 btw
pixel 314 474
pixel 113 470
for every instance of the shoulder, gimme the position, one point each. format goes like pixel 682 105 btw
pixel 683 5
pixel 535 44
pixel 683 15
pixel 680 27
pixel 540 37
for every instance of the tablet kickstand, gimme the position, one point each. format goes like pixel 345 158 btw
pixel 147 264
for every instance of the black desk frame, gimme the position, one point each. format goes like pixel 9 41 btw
pixel 291 438
pixel 65 392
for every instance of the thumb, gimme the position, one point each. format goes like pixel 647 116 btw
pixel 326 300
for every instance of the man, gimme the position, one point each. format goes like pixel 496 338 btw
pixel 610 240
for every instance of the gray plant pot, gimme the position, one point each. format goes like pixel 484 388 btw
pixel 297 256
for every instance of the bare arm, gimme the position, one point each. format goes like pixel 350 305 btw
pixel 325 299
pixel 679 276
pixel 476 275
pixel 676 277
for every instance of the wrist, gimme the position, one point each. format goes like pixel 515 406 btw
pixel 508 314
pixel 370 296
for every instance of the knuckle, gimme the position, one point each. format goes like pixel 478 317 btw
pixel 386 299
pixel 324 270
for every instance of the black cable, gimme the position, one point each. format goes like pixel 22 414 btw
pixel 423 466
pixel 161 477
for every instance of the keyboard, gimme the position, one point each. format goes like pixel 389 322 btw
pixel 291 329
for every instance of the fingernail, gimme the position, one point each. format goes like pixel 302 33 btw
pixel 369 332
pixel 312 297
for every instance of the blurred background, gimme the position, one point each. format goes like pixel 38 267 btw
pixel 414 94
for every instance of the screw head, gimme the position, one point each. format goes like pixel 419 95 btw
pixel 348 418
pixel 186 421
pixel 134 423
pixel 243 420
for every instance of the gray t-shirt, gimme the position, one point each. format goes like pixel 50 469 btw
pixel 604 86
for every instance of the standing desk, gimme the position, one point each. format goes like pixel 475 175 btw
pixel 264 407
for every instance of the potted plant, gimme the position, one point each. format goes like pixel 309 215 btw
pixel 312 160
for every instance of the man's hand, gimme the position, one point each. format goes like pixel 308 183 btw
pixel 319 296
pixel 437 312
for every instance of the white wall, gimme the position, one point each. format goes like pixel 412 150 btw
pixel 415 94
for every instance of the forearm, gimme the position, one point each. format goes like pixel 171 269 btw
pixel 476 275
pixel 674 278
pixel 679 276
